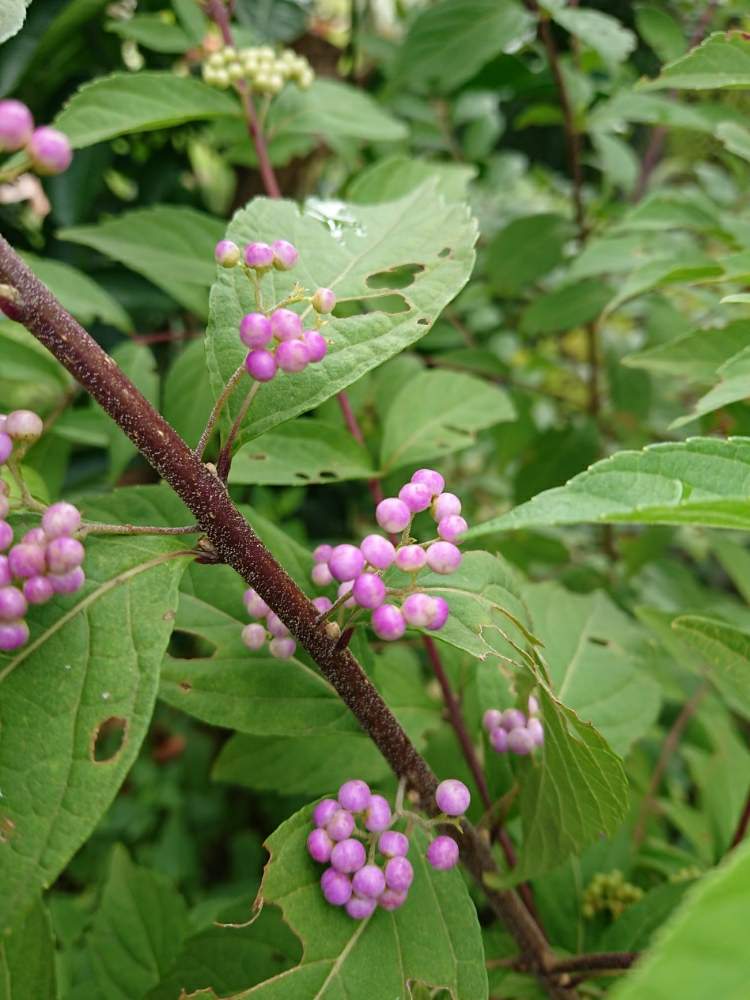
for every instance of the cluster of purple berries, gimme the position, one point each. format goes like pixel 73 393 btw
pixel 48 149
pixel 280 642
pixel 275 337
pixel 368 864
pixel 512 731
pixel 360 569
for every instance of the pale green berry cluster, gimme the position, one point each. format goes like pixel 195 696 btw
pixel 608 892
pixel 263 69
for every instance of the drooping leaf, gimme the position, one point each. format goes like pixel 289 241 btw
pixel 725 650
pixel 331 108
pixel 733 387
pixel 721 61
pixel 27 957
pixel 695 356
pixel 81 296
pixel 345 252
pixel 567 306
pixel 526 249
pixel 661 31
pixel 601 32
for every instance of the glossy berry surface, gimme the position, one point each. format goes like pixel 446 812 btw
pixel 452 797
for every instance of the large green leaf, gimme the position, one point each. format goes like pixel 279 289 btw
pixel 450 41
pixel 433 939
pixel 139 102
pixel 78 293
pixel 701 951
pixel 725 650
pixel 332 109
pixel 438 412
pixel 342 253
pixel 721 61
pixel 92 657
pixel 526 249
pixel 27 957
pixel 601 32
pixel 699 481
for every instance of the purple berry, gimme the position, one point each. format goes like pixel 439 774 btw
pixel 443 557
pixel 6 536
pixel 369 881
pixel 49 150
pixel 360 908
pixel 340 825
pixel 535 729
pixel 256 606
pixel 442 853
pixel 36 536
pixel 285 255
pixel 285 324
pixel 259 256
pixel 27 560
pixel 492 719
pixel 431 479
pixel 520 741
pixel 418 610
pixel 12 604
pixel 378 814
pixel 513 718
pixel 368 590
pixel 254 636
pixel 348 856
pixel 6 447
pixel 16 125
pixel 346 562
pixel 439 615
pixel 38 590
pixel 499 739
pixel 392 515
pixel 393 844
pixel 291 356
pixel 59 519
pixel 388 622
pixel 411 558
pixel 322 553
pixel 533 705
pixel 261 365
pixel 391 900
pixel 255 330
pixel 324 811
pixel 346 588
pixel 24 426
pixel 67 583
pixel 227 254
pixel 322 604
pixel 319 846
pixel 321 575
pixel 378 551
pixel 276 626
pixel 13 635
pixel 337 888
pixel 445 505
pixel 6 576
pixel 354 795
pixel 399 874
pixel 64 554
pixel 452 797
pixel 316 344
pixel 324 300
pixel 452 527
pixel 416 496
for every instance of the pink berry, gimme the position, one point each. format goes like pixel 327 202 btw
pixel 346 562
pixel 443 557
pixel 324 810
pixel 378 551
pixel 452 797
pixel 348 856
pixel 6 576
pixel 416 496
pixel 388 622
pixel 59 519
pixel 6 536
pixel 254 636
pixel 291 356
pixel 261 365
pixel 392 515
pixel 322 604
pixel 24 426
pixel 399 874
pixel 368 590
pixel 38 590
pixel 360 907
pixel 378 814
pixel 445 505
pixel 13 635
pixel 439 614
pixel 499 739
pixel 354 795
pixel 336 887
pixel 410 558
pixel 535 729
pixel 49 150
pixel 12 604
pixel 442 853
pixel 27 560
pixel 513 718
pixel 276 626
pixel 227 254
pixel 520 741
pixel 393 844
pixel 340 825
pixel 319 846
pixel 324 300
pixel 418 610
pixel 452 527
pixel 285 255
pixel 431 479
pixel 346 588
pixel 285 324
pixel 369 881
pixel 36 536
pixel 492 719
pixel 258 256
pixel 321 574
pixel 16 125
pixel 256 606
pixel 391 900
pixel 316 344
pixel 64 554
pixel 67 583
pixel 255 330
pixel 322 553
pixel 533 705
pixel 6 447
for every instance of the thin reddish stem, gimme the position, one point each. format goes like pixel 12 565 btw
pixel 350 419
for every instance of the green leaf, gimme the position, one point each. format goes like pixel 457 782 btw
pixel 590 647
pixel 735 138
pixel 395 176
pixel 604 34
pixel 450 41
pixel 567 306
pixel 434 938
pixel 526 249
pixel 139 364
pixel 300 453
pixel 418 232
pixel 695 356
pixel 139 102
pixel 29 375
pixel 92 657
pixel 650 109
pixel 733 387
pixel 153 32
pixel 171 245
pixel 699 481
pixel 137 931
pixel 439 412
pixel 78 293
pixel 12 16
pixel 722 61
pixel 660 30
pixel 188 399
pixel 689 267
pixel 332 109
pixel 700 952
pixel 726 651
pixel 27 957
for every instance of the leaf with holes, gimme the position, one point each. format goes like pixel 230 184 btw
pixel 434 938
pixel 362 252
pixel 27 957
pixel 438 412
pixel 92 657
